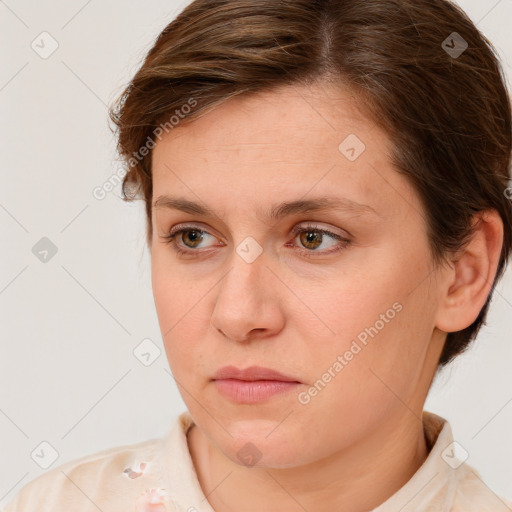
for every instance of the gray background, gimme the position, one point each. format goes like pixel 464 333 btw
pixel 69 325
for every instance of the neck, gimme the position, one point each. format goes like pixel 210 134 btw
pixel 356 479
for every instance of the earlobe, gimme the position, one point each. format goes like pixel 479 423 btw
pixel 470 278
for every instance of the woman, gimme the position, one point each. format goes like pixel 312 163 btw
pixel 326 195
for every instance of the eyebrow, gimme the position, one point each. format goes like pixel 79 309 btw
pixel 277 211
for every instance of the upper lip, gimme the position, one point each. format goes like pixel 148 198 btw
pixel 252 373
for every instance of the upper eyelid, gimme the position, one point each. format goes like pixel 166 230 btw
pixel 297 228
pixel 304 225
pixel 189 227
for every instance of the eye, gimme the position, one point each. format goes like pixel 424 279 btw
pixel 186 239
pixel 312 237
pixel 190 236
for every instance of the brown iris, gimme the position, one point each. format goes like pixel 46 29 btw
pixel 311 237
pixel 194 235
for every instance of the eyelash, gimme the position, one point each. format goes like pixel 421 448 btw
pixel 308 253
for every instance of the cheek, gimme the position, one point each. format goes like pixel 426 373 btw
pixel 379 334
pixel 174 293
pixel 356 308
pixel 182 321
pixel 351 395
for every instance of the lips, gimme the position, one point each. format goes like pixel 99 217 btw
pixel 252 373
pixel 252 385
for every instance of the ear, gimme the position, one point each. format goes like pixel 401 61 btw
pixel 469 280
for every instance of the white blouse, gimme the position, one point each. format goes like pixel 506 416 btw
pixel 158 475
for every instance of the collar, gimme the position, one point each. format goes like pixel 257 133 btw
pixel 180 475
pixel 432 487
pixel 434 484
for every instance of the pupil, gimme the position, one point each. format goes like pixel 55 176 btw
pixel 311 238
pixel 193 237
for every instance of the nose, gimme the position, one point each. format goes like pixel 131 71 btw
pixel 248 304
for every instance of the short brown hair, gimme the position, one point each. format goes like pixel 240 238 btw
pixel 448 114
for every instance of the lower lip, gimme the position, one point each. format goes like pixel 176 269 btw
pixel 250 392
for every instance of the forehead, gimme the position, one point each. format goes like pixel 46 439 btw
pixel 287 141
pixel 281 119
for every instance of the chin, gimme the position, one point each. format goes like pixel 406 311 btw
pixel 270 456
pixel 262 443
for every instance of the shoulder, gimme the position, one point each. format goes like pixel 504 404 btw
pixel 444 482
pixel 110 479
pixel 473 494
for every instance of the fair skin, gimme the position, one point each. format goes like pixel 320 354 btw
pixel 361 438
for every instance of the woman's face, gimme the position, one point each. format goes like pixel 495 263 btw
pixel 351 320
